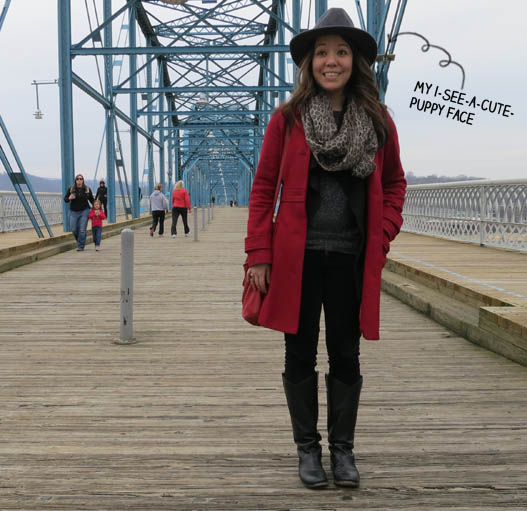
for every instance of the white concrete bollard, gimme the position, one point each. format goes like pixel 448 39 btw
pixel 127 287
pixel 203 219
pixel 208 213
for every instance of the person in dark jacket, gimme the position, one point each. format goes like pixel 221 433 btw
pixel 79 196
pixel 102 195
pixel 341 200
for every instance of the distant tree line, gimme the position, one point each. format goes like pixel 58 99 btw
pixel 44 184
pixel 412 179
pixel 40 184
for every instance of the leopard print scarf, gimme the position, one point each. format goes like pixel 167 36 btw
pixel 353 147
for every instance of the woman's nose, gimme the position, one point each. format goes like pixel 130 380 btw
pixel 331 60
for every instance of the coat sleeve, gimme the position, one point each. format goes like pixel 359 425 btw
pixel 394 187
pixel 258 243
pixel 187 201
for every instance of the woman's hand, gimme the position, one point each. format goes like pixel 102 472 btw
pixel 260 276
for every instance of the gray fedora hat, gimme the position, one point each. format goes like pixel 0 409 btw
pixel 334 21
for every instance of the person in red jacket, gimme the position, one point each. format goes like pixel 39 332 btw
pixel 97 216
pixel 180 206
pixel 342 194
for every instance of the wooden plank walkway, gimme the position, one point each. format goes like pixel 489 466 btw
pixel 193 417
pixel 498 273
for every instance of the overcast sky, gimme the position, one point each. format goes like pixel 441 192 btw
pixel 484 36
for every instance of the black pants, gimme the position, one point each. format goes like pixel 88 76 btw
pixel 104 203
pixel 329 279
pixel 175 215
pixel 158 216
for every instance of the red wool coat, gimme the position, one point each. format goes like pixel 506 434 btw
pixel 282 243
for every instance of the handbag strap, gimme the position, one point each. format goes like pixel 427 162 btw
pixel 280 174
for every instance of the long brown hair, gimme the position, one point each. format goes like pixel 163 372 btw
pixel 361 86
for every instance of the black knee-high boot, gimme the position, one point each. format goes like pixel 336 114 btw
pixel 343 404
pixel 302 401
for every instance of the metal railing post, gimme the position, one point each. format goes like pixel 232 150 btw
pixel 203 219
pixel 208 213
pixel 127 287
pixel 195 224
pixel 482 203
pixel 2 213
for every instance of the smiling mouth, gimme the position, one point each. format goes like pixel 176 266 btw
pixel 331 75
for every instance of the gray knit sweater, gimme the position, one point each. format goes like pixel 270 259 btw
pixel 335 210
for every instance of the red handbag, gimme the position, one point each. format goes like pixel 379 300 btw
pixel 252 299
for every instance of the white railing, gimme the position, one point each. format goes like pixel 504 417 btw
pixel 492 213
pixel 13 216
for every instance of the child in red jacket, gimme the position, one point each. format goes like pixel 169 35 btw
pixel 97 216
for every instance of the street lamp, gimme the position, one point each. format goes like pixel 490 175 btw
pixel 38 113
pixel 202 100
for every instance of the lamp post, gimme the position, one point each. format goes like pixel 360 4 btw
pixel 38 113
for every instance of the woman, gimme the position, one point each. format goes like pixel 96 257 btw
pixel 180 206
pixel 158 206
pixel 102 195
pixel 342 194
pixel 80 196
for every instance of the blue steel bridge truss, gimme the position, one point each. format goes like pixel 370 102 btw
pixel 194 81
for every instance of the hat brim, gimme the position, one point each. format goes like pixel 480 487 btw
pixel 359 39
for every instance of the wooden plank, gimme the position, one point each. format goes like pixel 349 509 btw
pixel 193 416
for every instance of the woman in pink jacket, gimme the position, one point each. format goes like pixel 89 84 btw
pixel 342 195
pixel 180 206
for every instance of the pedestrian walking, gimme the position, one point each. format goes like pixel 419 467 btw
pixel 79 196
pixel 180 206
pixel 102 195
pixel 158 205
pixel 96 216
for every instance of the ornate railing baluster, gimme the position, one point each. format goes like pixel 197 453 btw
pixel 492 213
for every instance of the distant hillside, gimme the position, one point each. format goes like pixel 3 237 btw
pixel 40 184
pixel 44 184
pixel 412 179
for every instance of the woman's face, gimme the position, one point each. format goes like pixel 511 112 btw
pixel 332 63
pixel 79 181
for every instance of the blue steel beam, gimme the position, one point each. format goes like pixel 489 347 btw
pixel 108 84
pixel 134 129
pixel 212 126
pixel 3 14
pixel 321 6
pixel 205 113
pixel 66 104
pixel 211 88
pixel 161 107
pixel 182 50
pixel 17 184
